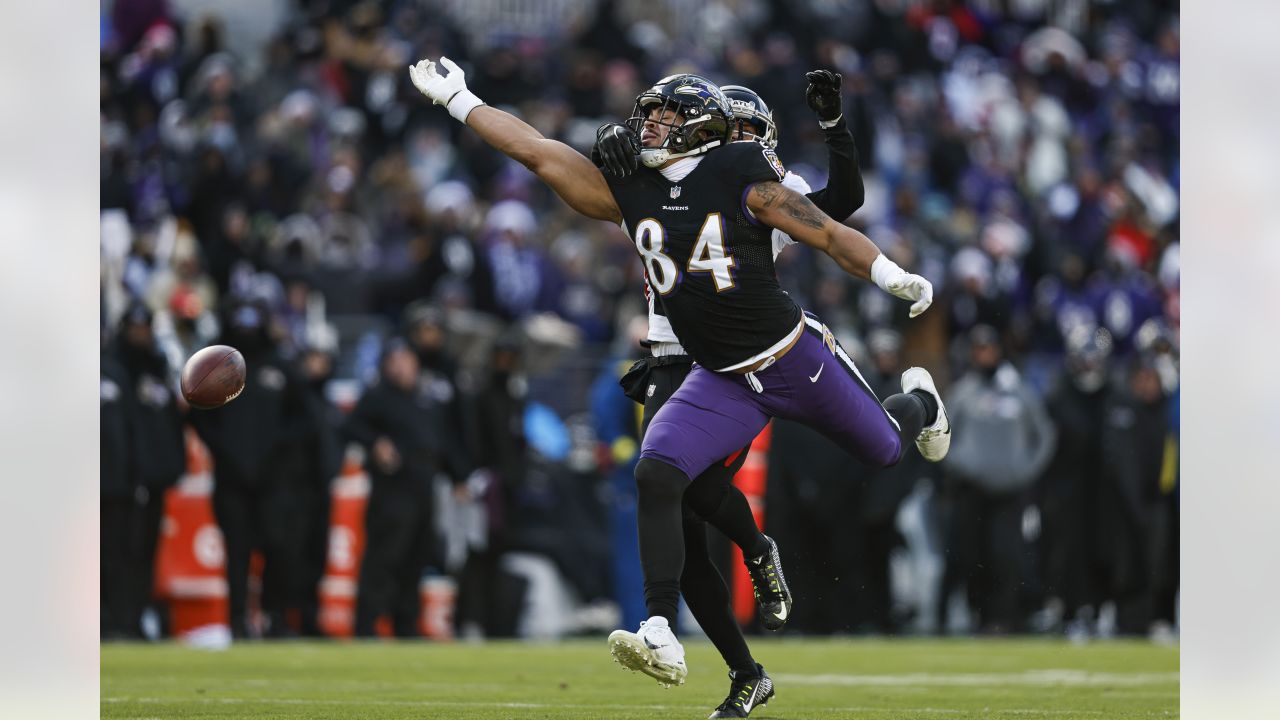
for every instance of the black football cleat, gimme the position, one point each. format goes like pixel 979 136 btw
pixel 746 693
pixel 773 597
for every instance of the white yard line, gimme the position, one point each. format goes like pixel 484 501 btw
pixel 1075 678
pixel 387 703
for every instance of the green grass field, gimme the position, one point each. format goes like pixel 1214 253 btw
pixel 875 680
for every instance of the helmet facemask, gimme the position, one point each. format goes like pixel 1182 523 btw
pixel 762 130
pixel 700 127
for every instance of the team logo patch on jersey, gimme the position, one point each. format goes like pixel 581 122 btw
pixel 829 340
pixel 675 192
pixel 772 157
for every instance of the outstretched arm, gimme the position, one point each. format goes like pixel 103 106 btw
pixel 570 174
pixel 844 192
pixel 794 214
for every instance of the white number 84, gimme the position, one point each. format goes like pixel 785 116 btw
pixel 708 255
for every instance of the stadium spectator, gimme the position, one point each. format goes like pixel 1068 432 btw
pixel 881 492
pixel 977 300
pixel 1139 472
pixel 427 335
pixel 522 273
pixel 158 451
pixel 405 435
pixel 258 445
pixel 1075 546
pixel 117 610
pixel 453 258
pixel 1003 439
pixel 495 411
pixel 618 432
pixel 425 332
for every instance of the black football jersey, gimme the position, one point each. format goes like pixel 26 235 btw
pixel 708 262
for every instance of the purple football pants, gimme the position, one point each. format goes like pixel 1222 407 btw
pixel 815 383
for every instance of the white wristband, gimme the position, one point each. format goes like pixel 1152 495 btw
pixel 462 103
pixel 828 124
pixel 885 271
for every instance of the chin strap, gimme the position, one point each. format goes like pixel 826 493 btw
pixel 655 157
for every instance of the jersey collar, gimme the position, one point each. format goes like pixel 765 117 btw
pixel 680 169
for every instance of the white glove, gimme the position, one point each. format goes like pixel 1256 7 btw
pixel 448 90
pixel 900 283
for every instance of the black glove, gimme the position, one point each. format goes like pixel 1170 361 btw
pixel 617 149
pixel 823 94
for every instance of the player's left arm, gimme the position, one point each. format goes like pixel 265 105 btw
pixel 844 192
pixel 794 214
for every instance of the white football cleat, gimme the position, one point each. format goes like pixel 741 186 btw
pixel 653 650
pixel 935 440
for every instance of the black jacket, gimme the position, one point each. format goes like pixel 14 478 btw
pixel 116 453
pixel 495 424
pixel 1079 417
pixel 159 454
pixel 1135 434
pixel 413 422
pixel 1133 451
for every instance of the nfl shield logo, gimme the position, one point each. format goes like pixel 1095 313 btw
pixel 675 192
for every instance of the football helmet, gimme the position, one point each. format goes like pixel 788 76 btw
pixel 701 105
pixel 750 109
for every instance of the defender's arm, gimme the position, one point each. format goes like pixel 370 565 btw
pixel 793 213
pixel 565 170
pixel 844 192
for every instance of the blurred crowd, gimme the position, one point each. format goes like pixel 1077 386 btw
pixel 409 299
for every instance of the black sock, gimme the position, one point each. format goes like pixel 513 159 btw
pixel 734 519
pixel 713 497
pixel 708 598
pixel 910 410
pixel 930 406
pixel 660 489
pixel 662 599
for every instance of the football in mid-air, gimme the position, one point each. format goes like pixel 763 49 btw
pixel 213 377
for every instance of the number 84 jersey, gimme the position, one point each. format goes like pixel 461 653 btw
pixel 708 262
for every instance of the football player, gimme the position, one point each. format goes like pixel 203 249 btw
pixel 712 497
pixel 701 214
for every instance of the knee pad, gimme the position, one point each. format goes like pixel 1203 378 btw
pixel 659 482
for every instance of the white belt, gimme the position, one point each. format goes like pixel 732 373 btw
pixel 773 349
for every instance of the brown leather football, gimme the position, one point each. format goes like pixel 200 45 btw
pixel 213 377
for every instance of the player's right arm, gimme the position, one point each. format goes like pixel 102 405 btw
pixel 571 175
pixel 782 208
